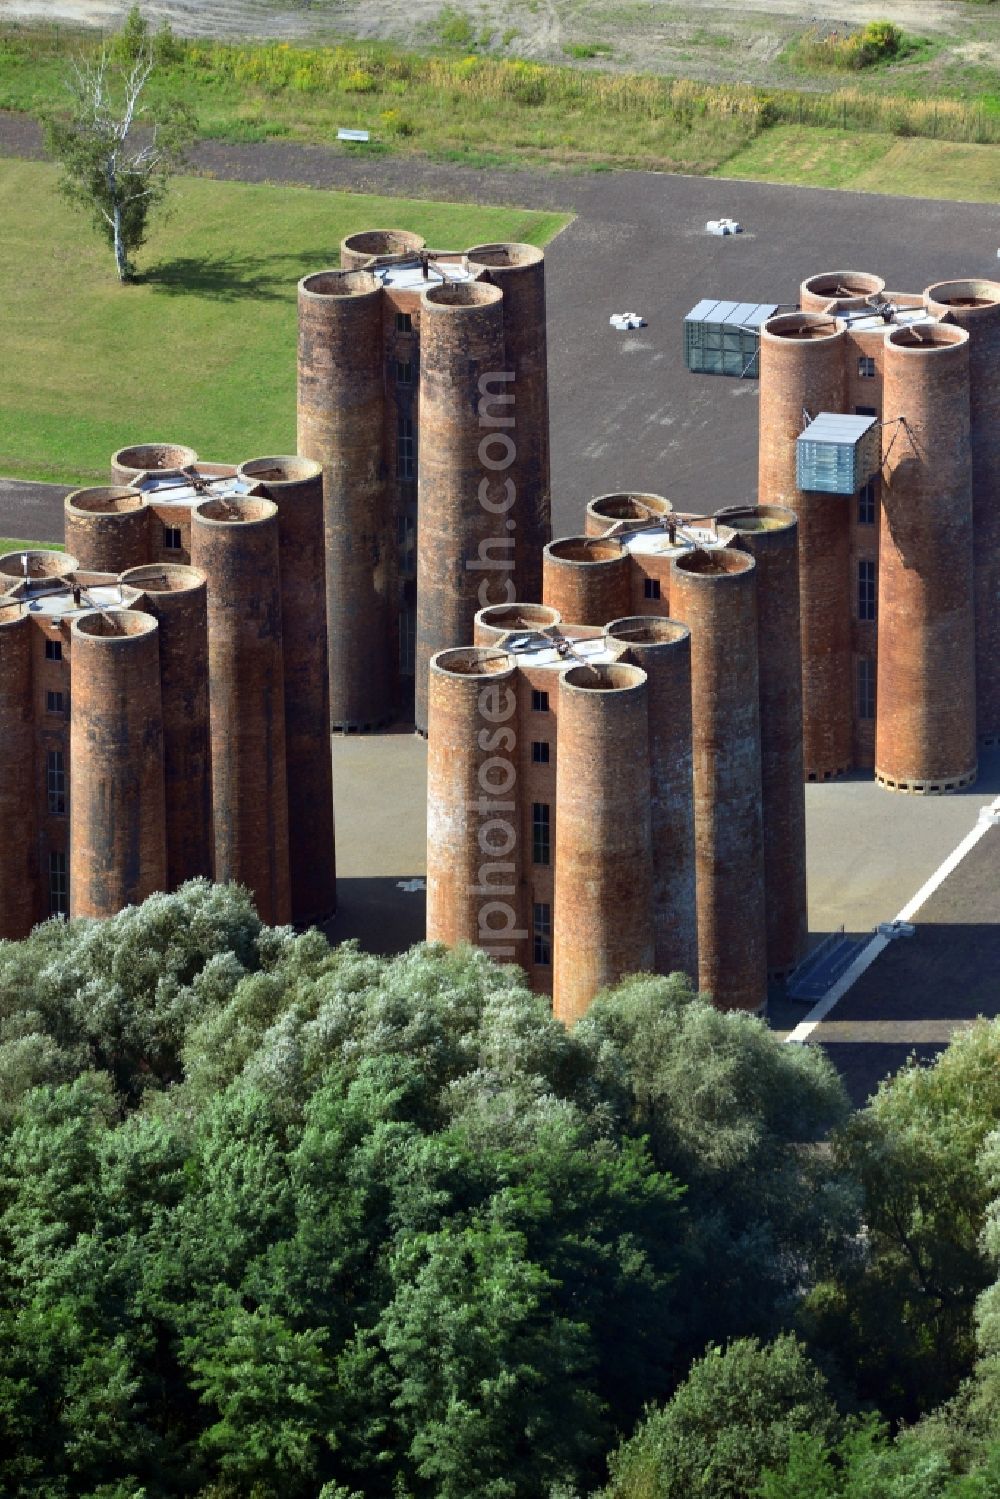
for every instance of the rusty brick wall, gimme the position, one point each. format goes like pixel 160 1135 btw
pixel 474 853
pixel 714 594
pixel 588 580
pixel 357 249
pixel 235 544
pixel 176 598
pixel 607 510
pixel 497 620
pixel 108 528
pixel 770 536
pixel 19 885
pixel 662 648
pixel 117 829
pixel 143 457
pixel 537 784
pixel 340 422
pixel 296 487
pixel 603 906
pixel 925 737
pixel 975 306
pixel 831 290
pixel 463 547
pixel 519 271
pixel 802 368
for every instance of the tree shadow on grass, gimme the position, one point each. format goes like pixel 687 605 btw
pixel 237 278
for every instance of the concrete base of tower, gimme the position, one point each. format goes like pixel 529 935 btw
pixel 827 773
pixel 925 786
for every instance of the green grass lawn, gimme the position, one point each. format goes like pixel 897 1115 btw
pixel 17 544
pixel 202 350
pixel 912 167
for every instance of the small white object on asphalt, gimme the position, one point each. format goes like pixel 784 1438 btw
pixel 623 321
pixel 724 226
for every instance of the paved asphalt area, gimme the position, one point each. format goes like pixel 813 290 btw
pixel 626 414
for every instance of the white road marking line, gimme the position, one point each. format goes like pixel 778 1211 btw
pixel 877 944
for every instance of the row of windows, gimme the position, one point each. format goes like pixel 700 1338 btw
pixel 58 884
pixel 541 931
pixel 55 783
pixel 406 449
pixel 866 588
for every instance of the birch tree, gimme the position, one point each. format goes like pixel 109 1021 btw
pixel 118 149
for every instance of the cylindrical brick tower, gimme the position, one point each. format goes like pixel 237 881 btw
pixel 18 807
pixel 607 510
pixel 143 457
pixel 925 732
pixel 833 290
pixel 802 371
pixel 602 925
pixel 176 598
pixel 975 306
pixel 519 271
pixel 498 620
pixel 235 544
pixel 107 528
pixel 465 539
pixel 40 564
pixel 340 422
pixel 117 827
pixel 296 487
pixel 714 594
pixel 662 648
pixel 474 857
pixel 358 249
pixel 587 579
pixel 770 536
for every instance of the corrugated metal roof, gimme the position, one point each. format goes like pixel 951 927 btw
pixel 836 426
pixel 736 314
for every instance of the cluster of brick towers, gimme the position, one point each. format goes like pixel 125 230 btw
pixel 164 693
pixel 620 723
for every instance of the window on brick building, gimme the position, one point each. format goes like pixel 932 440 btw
pixel 866 589
pixel 58 884
pixel 55 783
pixel 866 367
pixel 651 588
pixel 866 504
pixel 404 322
pixel 404 372
pixel 53 650
pixel 541 840
pixel 541 924
pixel 406 449
pixel 55 702
pixel 172 538
pixel 539 701
pixel 865 411
pixel 539 752
pixel 866 687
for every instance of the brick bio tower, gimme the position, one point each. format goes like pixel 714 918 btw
pixel 422 387
pixel 219 674
pixel 595 788
pixel 893 562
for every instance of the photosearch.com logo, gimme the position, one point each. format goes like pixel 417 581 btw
pixel 496 705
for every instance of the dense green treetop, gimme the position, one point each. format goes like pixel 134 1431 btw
pixel 276 1216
